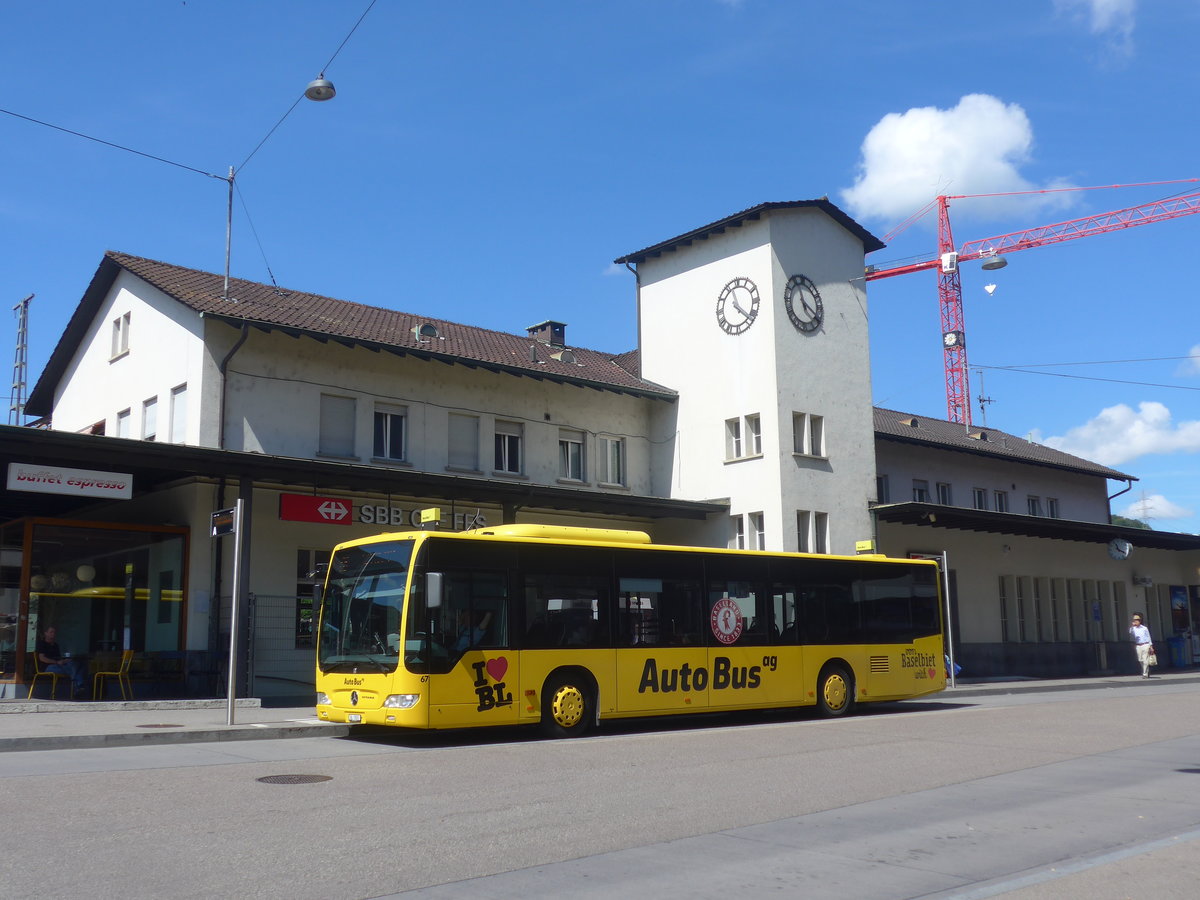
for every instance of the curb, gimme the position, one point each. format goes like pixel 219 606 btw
pixel 141 739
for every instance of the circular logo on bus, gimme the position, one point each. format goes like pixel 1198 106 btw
pixel 726 620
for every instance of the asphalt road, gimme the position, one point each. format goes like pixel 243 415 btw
pixel 1090 794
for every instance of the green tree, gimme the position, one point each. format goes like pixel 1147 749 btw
pixel 1130 523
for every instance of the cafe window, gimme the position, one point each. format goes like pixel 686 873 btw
pixel 104 589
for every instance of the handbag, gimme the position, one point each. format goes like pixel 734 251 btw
pixel 1153 658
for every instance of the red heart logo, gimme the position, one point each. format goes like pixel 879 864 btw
pixel 932 672
pixel 497 667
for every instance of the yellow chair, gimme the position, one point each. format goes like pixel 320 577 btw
pixel 38 673
pixel 122 676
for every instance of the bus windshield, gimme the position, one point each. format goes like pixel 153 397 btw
pixel 362 608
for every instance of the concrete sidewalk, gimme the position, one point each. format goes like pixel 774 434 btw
pixel 56 725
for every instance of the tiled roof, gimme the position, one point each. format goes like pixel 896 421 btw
pixel 907 428
pixel 870 242
pixel 270 307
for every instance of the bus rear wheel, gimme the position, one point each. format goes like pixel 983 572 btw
pixel 835 691
pixel 567 706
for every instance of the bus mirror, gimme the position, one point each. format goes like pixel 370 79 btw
pixel 433 589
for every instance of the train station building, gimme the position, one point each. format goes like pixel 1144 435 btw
pixel 743 418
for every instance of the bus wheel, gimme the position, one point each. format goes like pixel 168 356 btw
pixel 566 706
pixel 835 691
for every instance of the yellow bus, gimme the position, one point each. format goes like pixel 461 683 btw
pixel 563 627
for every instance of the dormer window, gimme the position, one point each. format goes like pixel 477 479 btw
pixel 425 332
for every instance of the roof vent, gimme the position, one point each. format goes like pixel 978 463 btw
pixel 911 422
pixel 565 356
pixel 549 332
pixel 426 331
pixel 978 435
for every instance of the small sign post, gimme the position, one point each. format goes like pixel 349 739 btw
pixel 224 522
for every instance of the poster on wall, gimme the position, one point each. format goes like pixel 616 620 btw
pixel 1194 597
pixel 1179 608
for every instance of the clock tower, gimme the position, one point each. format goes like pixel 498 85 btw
pixel 759 322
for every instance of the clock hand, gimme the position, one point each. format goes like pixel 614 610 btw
pixel 738 307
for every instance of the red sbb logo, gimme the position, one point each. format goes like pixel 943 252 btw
pixel 307 508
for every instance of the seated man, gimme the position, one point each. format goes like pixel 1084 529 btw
pixel 51 659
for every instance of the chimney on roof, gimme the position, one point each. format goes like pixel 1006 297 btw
pixel 549 332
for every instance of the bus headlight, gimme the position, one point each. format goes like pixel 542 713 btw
pixel 401 701
pixel 322 698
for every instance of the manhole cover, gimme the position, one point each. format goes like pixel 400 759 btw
pixel 294 779
pixel 160 725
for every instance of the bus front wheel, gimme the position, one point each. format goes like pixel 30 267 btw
pixel 567 705
pixel 835 691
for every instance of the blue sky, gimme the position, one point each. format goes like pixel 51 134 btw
pixel 485 162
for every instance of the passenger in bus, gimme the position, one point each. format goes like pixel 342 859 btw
pixel 469 635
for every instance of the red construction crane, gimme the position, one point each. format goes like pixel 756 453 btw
pixel 948 260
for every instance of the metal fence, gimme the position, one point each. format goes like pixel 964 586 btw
pixel 281 657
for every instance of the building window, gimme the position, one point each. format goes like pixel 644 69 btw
pixel 804 531
pixel 310 576
pixel 979 496
pixel 944 495
pixel 120 336
pixel 812 531
pixel 1020 609
pixel 570 455
pixel 1003 610
pixel 737 533
pixel 612 460
pixel 336 436
pixel 1052 507
pixel 758 531
pixel 123 424
pixel 391 432
pixel 150 419
pixel 920 490
pixel 743 437
pixel 1001 501
pixel 808 434
pixel 820 532
pixel 178 432
pixel 1039 625
pixel 508 447
pixel 883 492
pixel 1034 505
pixel 733 438
pixel 754 435
pixel 1055 617
pixel 463 441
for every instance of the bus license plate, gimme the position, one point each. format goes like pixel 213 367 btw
pixel 354 718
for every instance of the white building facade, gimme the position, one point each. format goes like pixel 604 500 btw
pixel 744 418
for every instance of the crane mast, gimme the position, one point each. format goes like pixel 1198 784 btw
pixel 948 260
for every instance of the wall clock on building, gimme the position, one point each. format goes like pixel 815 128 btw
pixel 802 301
pixel 1119 548
pixel 737 306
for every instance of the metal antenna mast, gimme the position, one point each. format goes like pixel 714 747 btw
pixel 16 407
pixel 983 399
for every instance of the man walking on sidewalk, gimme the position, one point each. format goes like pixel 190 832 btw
pixel 1140 635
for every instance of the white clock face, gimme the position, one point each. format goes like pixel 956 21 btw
pixel 737 306
pixel 1119 548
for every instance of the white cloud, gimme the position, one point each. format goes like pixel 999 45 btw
pixel 977 147
pixel 1112 19
pixel 1119 434
pixel 1155 506
pixel 1190 368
